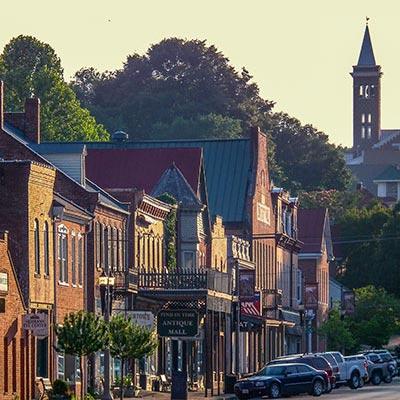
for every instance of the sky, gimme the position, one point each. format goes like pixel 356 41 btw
pixel 300 52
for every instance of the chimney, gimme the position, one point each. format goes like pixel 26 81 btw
pixel 32 119
pixel 1 104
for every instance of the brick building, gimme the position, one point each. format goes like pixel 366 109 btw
pixel 314 260
pixel 15 356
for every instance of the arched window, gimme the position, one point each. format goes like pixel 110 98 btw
pixel 46 248
pixel 80 260
pixel 73 258
pixel 98 244
pixel 37 246
pixel 63 253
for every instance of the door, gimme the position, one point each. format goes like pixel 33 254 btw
pixel 291 379
pixel 305 377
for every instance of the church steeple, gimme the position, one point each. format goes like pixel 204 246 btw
pixel 366 57
pixel 366 97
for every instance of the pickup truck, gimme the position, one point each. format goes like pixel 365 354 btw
pixel 352 372
pixel 378 369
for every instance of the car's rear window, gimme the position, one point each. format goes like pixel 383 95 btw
pixel 337 357
pixel 316 362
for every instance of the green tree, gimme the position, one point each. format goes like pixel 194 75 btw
pixel 81 334
pixel 129 341
pixel 336 331
pixel 360 233
pixel 307 159
pixel 31 68
pixel 377 316
pixel 177 83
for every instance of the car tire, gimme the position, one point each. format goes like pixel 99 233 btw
pixel 354 381
pixel 318 388
pixel 388 379
pixel 329 388
pixel 376 378
pixel 274 391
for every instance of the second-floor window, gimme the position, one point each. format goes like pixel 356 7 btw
pixel 63 254
pixel 299 287
pixel 73 259
pixel 37 246
pixel 46 249
pixel 80 261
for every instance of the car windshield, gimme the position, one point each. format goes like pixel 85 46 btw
pixel 330 359
pixel 275 370
pixel 337 357
pixel 386 356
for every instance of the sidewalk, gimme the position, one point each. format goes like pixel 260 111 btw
pixel 147 395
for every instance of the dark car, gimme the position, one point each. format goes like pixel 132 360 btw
pixel 283 379
pixel 314 361
pixel 378 369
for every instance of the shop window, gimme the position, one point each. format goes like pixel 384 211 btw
pixel 60 366
pixel 37 246
pixel 42 357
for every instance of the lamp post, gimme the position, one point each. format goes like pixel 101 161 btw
pixel 106 283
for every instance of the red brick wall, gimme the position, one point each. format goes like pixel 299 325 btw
pixel 15 373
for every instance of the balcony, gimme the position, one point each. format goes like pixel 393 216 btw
pixel 126 281
pixel 200 280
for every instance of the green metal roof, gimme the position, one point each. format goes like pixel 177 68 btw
pixel 391 173
pixel 227 169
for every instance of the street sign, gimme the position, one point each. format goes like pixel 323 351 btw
pixel 37 324
pixel 142 318
pixel 178 323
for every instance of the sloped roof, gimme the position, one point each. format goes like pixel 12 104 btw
pixel 366 57
pixel 391 173
pixel 227 168
pixel 366 174
pixel 140 168
pixel 173 182
pixel 311 225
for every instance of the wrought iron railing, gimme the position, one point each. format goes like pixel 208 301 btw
pixel 205 279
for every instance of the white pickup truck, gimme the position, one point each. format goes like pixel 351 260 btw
pixel 352 371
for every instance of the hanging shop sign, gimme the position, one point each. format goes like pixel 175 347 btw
pixel 251 307
pixel 37 324
pixel 3 282
pixel 247 282
pixel 348 302
pixel 142 318
pixel 178 323
pixel 311 296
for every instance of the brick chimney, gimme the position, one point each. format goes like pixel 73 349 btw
pixel 32 119
pixel 1 105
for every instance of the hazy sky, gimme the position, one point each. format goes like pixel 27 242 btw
pixel 300 52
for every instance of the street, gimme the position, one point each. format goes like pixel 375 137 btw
pixel 383 391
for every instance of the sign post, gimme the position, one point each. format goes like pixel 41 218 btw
pixel 178 325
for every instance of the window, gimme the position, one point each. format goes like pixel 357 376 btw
pixel 188 259
pixel 366 92
pixel 299 286
pixel 363 132
pixel 63 254
pixel 102 249
pixel 118 240
pixel 46 248
pixel 73 259
pixel 60 366
pixel 303 369
pixel 369 132
pixel 37 246
pixel 369 118
pixel 80 260
pixel 98 244
pixel 363 118
pixel 391 189
pixel 361 90
pixel 106 261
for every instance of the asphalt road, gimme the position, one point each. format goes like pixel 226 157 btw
pixel 369 392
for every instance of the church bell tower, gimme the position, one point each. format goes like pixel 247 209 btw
pixel 366 98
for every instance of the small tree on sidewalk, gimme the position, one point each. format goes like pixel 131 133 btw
pixel 337 332
pixel 80 335
pixel 129 341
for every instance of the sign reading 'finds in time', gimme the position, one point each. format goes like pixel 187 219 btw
pixel 178 323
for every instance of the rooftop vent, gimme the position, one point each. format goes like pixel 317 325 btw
pixel 119 136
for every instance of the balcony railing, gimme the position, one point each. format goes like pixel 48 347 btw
pixel 126 280
pixel 186 280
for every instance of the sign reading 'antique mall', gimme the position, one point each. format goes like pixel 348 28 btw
pixel 178 323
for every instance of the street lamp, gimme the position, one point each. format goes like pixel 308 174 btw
pixel 106 283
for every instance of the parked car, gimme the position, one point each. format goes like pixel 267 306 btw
pixel 282 380
pixel 334 364
pixel 378 369
pixel 352 372
pixel 315 361
pixel 387 357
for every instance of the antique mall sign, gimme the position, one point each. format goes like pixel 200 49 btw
pixel 178 323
